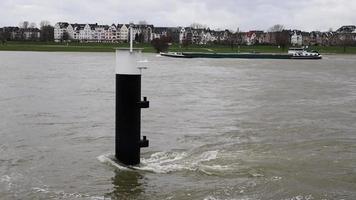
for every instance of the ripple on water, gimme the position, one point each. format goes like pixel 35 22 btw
pixel 14 181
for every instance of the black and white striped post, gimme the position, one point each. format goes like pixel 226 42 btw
pixel 128 140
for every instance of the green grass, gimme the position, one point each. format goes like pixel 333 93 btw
pixel 109 47
pixel 336 49
pixel 71 47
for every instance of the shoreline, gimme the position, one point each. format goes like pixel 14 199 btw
pixel 147 48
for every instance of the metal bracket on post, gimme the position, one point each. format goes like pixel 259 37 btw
pixel 144 142
pixel 144 103
pixel 141 68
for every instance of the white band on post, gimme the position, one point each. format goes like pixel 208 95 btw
pixel 128 62
pixel 131 38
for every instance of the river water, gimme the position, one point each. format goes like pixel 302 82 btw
pixel 218 129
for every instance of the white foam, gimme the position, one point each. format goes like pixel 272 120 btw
pixel 276 178
pixel 40 190
pixel 143 61
pixel 109 159
pixel 163 162
pixel 207 156
pixel 99 198
pixel 215 198
pixel 65 195
pixel 210 198
pixel 217 167
pixel 167 162
pixel 5 178
pixel 162 169
pixel 2 148
pixel 301 197
pixel 164 157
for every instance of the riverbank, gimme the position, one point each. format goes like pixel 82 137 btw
pixel 109 47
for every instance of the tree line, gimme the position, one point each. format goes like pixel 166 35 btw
pixel 46 31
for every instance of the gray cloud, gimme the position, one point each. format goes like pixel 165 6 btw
pixel 245 14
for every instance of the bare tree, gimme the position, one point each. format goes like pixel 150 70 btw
pixel 234 39
pixel 198 26
pixel 276 28
pixel 237 39
pixel 346 40
pixel 2 38
pixel 142 22
pixel 24 24
pixel 282 36
pixel 44 23
pixel 32 25
pixel 65 37
pixel 5 35
pixel 161 44
pixel 47 31
pixel 283 39
pixel 186 42
pixel 33 36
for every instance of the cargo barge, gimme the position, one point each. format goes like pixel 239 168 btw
pixel 293 53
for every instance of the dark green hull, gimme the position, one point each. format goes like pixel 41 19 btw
pixel 238 55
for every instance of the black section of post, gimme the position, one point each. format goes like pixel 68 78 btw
pixel 128 119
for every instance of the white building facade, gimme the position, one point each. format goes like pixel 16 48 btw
pixel 296 39
pixel 64 31
pixel 59 30
pixel 123 32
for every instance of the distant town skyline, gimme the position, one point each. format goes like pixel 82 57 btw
pixel 308 15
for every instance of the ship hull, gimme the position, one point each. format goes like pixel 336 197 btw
pixel 239 55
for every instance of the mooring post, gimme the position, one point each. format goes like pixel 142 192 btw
pixel 128 107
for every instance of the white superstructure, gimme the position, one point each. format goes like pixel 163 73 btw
pixel 302 52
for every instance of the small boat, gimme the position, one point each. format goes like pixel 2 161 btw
pixel 293 53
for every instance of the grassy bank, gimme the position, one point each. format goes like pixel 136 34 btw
pixel 51 46
pixel 109 47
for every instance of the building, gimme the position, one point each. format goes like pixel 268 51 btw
pixel 347 29
pixel 296 38
pixel 16 33
pixel 145 33
pixel 60 31
pixel 123 32
pixel 64 31
pixel 254 37
pixel 159 32
pixel 112 34
pixel 201 36
pixel 206 37
pixel 100 33
pixel 315 38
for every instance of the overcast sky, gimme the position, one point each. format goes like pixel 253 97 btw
pixel 246 14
